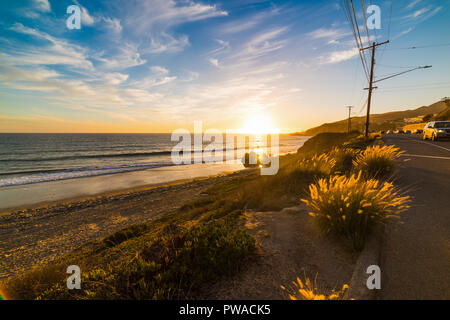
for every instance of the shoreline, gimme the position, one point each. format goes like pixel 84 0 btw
pixel 33 195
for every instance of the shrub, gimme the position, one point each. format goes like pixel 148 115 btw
pixel 124 234
pixel 324 141
pixel 310 291
pixel 321 165
pixel 377 161
pixel 351 206
pixel 173 267
pixel 360 142
pixel 343 159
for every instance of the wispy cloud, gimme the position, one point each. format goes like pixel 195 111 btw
pixel 214 62
pixel 237 26
pixel 412 4
pixel 423 14
pixel 329 33
pixel 404 32
pixel 42 5
pixel 56 52
pixel 223 46
pixel 156 19
pixel 125 57
pixel 262 44
pixel 338 56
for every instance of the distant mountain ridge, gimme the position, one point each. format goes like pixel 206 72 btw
pixel 386 121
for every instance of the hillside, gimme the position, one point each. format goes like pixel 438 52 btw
pixel 386 121
pixel 444 115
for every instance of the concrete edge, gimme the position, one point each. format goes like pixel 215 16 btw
pixel 370 255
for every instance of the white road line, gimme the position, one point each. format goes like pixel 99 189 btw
pixel 423 156
pixel 431 144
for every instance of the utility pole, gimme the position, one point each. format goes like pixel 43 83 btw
pixel 349 119
pixel 369 100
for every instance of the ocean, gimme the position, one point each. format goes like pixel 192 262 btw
pixel 34 158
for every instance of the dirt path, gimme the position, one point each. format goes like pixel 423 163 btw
pixel 35 236
pixel 288 247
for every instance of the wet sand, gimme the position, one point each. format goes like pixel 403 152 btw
pixel 38 193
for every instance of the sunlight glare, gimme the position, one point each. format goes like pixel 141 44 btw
pixel 259 124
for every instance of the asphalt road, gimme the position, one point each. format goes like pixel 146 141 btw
pixel 415 255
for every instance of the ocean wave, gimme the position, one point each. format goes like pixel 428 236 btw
pixel 55 175
pixel 104 155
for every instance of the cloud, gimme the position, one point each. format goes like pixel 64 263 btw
pixel 403 33
pixel 10 73
pixel 237 26
pixel 418 13
pixel 151 82
pixel 125 57
pixel 86 18
pixel 412 4
pixel 115 78
pixel 333 33
pixel 164 14
pixel 57 52
pixel 42 5
pixel 159 70
pixel 223 45
pixel 165 43
pixel 156 19
pixel 339 56
pixel 142 96
pixel 263 44
pixel 160 76
pixel 113 24
pixel 214 62
pixel 423 14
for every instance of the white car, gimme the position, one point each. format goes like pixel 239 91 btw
pixel 437 130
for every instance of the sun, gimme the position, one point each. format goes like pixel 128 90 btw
pixel 259 124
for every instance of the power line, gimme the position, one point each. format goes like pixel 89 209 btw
pixel 415 89
pixel 390 19
pixel 383 50
pixel 422 47
pixel 365 21
pixel 357 29
pixel 348 15
pixel 441 83
pixel 349 126
pixel 391 66
pixel 400 73
pixel 363 107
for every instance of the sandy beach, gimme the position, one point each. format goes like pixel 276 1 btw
pixel 37 234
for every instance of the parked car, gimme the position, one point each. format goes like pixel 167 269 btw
pixel 408 132
pixel 399 131
pixel 382 132
pixel 417 131
pixel 436 130
pixel 389 132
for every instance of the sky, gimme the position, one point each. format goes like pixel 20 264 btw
pixel 159 65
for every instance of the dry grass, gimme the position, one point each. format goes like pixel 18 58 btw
pixel 351 206
pixel 321 165
pixel 343 159
pixel 377 161
pixel 310 291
